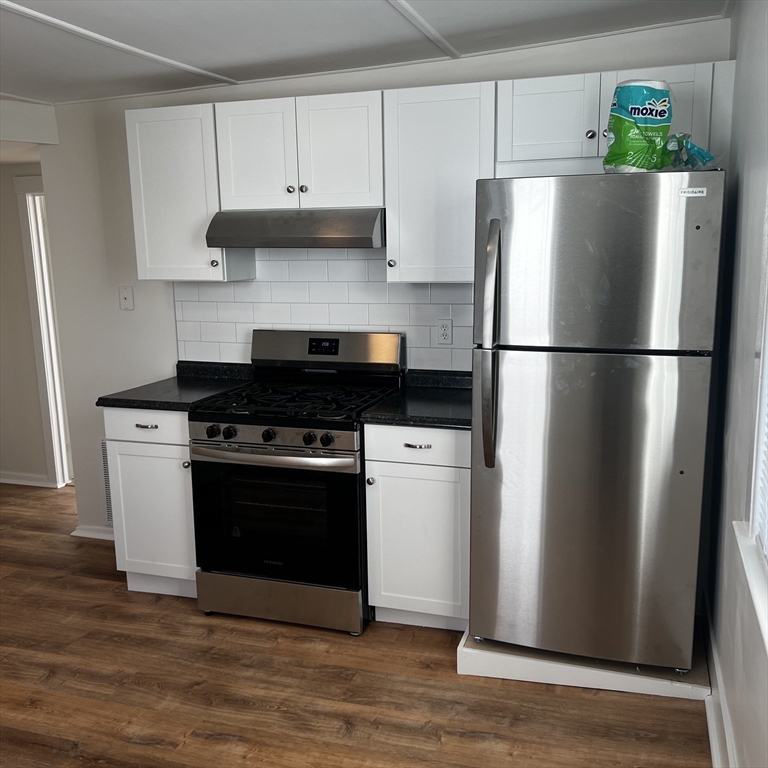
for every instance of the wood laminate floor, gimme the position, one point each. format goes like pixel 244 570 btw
pixel 93 675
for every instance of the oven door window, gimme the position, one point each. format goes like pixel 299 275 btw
pixel 294 525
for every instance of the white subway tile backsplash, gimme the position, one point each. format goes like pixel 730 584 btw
pixel 199 310
pixel 207 351
pixel 429 314
pixel 235 353
pixel 429 358
pixel 327 254
pixel 388 314
pixel 235 312
pixel 185 292
pixel 462 314
pixel 291 327
pixel 271 270
pixel 461 359
pixel 271 313
pixel 289 292
pixel 328 327
pixel 452 293
pixel 217 332
pixel 348 271
pixel 415 335
pixel 253 290
pixel 308 270
pixel 409 293
pixel 287 254
pixel 349 314
pixel 337 293
pixel 216 291
pixel 377 271
pixel 368 293
pixel 187 331
pixel 309 313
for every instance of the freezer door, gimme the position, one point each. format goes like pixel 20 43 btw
pixel 618 261
pixel 585 526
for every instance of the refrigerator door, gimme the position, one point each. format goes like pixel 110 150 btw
pixel 585 528
pixel 614 261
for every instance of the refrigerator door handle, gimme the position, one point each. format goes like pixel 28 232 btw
pixel 488 406
pixel 490 283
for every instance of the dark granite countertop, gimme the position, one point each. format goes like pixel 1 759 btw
pixel 428 399
pixel 193 382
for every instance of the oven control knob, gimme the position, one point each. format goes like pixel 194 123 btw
pixel 212 431
pixel 326 439
pixel 268 435
pixel 229 433
pixel 309 438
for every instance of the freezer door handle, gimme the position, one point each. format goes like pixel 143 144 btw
pixel 490 283
pixel 488 407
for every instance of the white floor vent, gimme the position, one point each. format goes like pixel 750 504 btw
pixel 107 492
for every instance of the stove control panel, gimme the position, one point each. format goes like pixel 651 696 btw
pixel 289 437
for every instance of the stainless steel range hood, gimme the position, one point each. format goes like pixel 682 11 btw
pixel 312 228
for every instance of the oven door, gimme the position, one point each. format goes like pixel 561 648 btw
pixel 278 513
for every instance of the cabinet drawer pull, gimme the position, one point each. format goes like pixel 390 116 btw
pixel 418 446
pixel 186 464
pixel 147 426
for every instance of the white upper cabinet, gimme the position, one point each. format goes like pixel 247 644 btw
pixel 340 150
pixel 691 97
pixel 438 142
pixel 309 152
pixel 548 117
pixel 258 166
pixel 174 190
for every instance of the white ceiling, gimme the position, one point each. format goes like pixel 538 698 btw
pixel 57 51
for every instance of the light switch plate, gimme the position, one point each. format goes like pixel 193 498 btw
pixel 126 297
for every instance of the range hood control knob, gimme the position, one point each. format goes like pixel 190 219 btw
pixel 212 431
pixel 268 435
pixel 229 432
pixel 309 438
pixel 326 439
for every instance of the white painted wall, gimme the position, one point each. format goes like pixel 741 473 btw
pixel 22 445
pixel 91 230
pixel 740 648
pixel 21 121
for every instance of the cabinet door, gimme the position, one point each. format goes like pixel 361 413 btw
pixel 544 118
pixel 438 142
pixel 340 150
pixel 418 538
pixel 174 189
pixel 257 154
pixel 691 97
pixel 152 509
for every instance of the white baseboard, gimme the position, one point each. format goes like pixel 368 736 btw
pixel 416 619
pixel 719 723
pixel 511 662
pixel 161 585
pixel 94 532
pixel 27 478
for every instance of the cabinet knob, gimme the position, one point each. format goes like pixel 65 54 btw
pixel 605 133
pixel 370 481
pixel 391 263
pixel 214 263
pixel 303 188
pixel 186 464
pixel 591 134
pixel 291 190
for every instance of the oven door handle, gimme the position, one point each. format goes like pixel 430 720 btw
pixel 319 464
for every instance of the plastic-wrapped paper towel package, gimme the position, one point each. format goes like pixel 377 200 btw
pixel 638 131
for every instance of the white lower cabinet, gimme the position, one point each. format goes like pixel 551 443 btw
pixel 418 538
pixel 150 488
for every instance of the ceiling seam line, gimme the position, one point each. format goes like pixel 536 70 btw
pixel 65 26
pixel 407 12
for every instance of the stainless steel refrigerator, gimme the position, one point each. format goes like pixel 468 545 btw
pixel 595 302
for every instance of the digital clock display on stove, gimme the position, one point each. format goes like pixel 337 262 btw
pixel 323 347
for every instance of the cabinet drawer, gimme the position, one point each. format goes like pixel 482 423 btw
pixel 169 427
pixel 446 447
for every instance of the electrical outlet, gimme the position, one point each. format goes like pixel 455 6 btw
pixel 126 297
pixel 445 331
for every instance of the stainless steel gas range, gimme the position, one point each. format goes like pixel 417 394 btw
pixel 277 484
